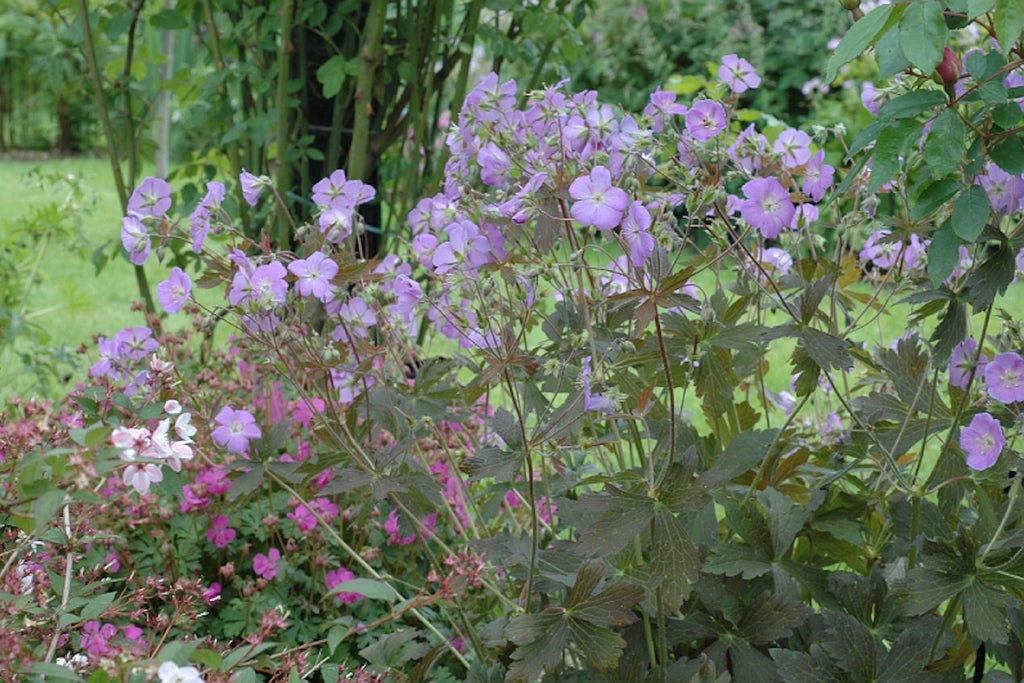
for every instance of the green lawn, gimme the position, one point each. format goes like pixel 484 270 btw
pixel 66 299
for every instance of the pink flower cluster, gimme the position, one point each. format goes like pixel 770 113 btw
pixel 145 450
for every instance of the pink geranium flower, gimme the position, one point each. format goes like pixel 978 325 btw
pixel 336 578
pixel 267 565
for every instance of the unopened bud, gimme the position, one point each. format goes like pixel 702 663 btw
pixel 948 69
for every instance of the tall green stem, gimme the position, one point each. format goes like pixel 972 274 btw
pixel 370 56
pixel 108 132
pixel 284 169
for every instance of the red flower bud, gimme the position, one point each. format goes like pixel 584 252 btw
pixel 949 68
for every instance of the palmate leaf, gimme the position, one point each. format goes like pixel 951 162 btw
pixel 992 277
pixel 926 589
pixel 849 643
pixel 771 618
pixel 621 517
pixel 733 560
pixel 541 639
pixel 828 351
pixel 675 563
pixel 813 666
pixel 907 659
pixel 585 620
pixel 951 330
pixel 985 611
pixel 785 520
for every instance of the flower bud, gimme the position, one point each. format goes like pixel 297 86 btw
pixel 948 69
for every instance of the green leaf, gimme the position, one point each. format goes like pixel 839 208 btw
pixel 970 213
pixel 247 483
pixel 619 517
pixel 1009 155
pixel 849 643
pixel 744 451
pixel 55 671
pixel 934 196
pixel 923 34
pixel 895 141
pixel 771 618
pixel 169 19
pixel 1009 22
pixel 732 560
pixel 950 331
pixel 911 104
pixel 491 461
pixel 394 650
pixel 926 589
pixel 368 588
pixel 943 253
pixel 675 563
pixel 985 610
pixel 828 351
pixel 208 658
pixel 611 607
pixel 331 75
pixel 861 36
pixel 813 666
pixel 976 8
pixel 785 519
pixel 907 658
pixel 944 147
pixel 45 507
pixel 985 69
pixel 541 639
pixel 992 277
pixel 890 57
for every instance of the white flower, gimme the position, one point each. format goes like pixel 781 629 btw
pixel 169 672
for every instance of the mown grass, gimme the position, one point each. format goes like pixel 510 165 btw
pixel 66 300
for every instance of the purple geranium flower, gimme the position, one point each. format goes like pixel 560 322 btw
pixel 314 275
pixel 598 202
pixel 236 428
pixel 982 440
pixel 961 363
pixel 201 217
pixel 636 233
pixel 252 186
pixel 1004 376
pixel 705 119
pixel 818 176
pixel 794 146
pixel 135 239
pixel 152 197
pixel 767 207
pixel 738 74
pixel 336 191
pixel 174 291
